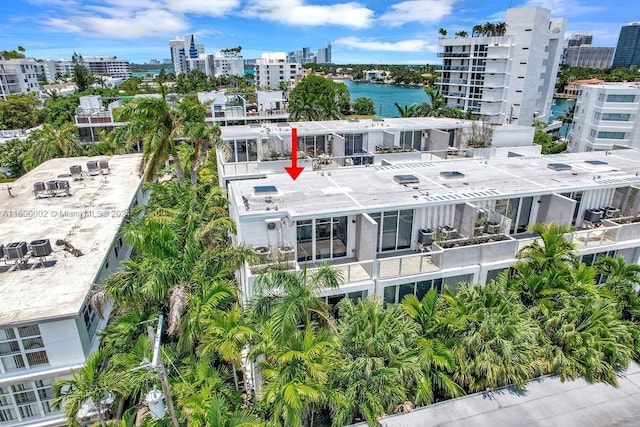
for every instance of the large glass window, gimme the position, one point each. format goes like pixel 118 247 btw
pixel 353 144
pixel 21 348
pixel 395 233
pixel 322 238
pixel 411 139
pixel 621 98
pixel 616 117
pixel 396 293
pixel 243 151
pixel 314 145
pixel 611 135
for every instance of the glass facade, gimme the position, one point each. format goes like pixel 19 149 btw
pixel 628 49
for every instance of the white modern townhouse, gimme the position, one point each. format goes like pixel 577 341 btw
pixel 398 228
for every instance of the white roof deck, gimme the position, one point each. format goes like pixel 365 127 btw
pixel 88 219
pixel 339 126
pixel 369 189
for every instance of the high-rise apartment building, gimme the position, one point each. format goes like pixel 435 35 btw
pixel 576 40
pixel 272 68
pixel 628 49
pixel 324 55
pixel 605 115
pixel 183 48
pixel 507 77
pixel 587 56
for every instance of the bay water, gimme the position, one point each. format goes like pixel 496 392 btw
pixel 384 96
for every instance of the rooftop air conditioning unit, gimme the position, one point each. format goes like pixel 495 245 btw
pixel 40 248
pixel 38 186
pixel 52 185
pixel 15 250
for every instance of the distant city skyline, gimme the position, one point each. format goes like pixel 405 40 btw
pixel 377 31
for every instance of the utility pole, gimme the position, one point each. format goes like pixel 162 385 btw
pixel 156 364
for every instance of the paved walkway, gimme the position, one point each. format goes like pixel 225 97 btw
pixel 546 402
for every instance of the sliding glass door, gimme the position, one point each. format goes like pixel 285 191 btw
pixel 322 238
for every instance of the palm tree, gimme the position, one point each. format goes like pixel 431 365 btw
pixel 227 333
pixel 436 100
pixel 50 142
pixel 377 366
pixel 175 250
pixel 160 127
pixel 462 34
pixel 587 338
pixel 88 385
pixel 203 391
pixel 295 376
pixel 496 342
pixel 434 355
pixel 287 299
pixel 442 32
pixel 501 28
pixel 553 251
pixel 476 31
pixel 304 107
pixel 413 110
pixel 622 280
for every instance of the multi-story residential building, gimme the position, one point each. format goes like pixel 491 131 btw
pixel 398 228
pixel 261 149
pixel 324 55
pixel 60 239
pixel 108 66
pixel 606 115
pixel 183 48
pixel 228 65
pixel 628 49
pixel 64 67
pixel 272 68
pixel 18 76
pixel 579 39
pixel 587 56
pixel 47 70
pixel 507 78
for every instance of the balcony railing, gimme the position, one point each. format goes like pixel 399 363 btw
pixel 454 54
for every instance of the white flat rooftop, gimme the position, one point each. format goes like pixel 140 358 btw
pixel 339 126
pixel 369 189
pixel 88 219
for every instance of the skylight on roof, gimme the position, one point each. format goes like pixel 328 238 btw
pixel 451 174
pixel 265 189
pixel 596 162
pixel 406 179
pixel 559 166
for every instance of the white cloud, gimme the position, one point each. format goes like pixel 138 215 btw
pixel 134 24
pixel 297 12
pixel 415 45
pixel 204 7
pixel 427 11
pixel 563 8
pixel 127 19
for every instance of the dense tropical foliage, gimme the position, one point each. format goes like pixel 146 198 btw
pixel 322 365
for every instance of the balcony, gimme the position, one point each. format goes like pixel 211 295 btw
pixel 454 81
pixel 454 54
pixel 93 116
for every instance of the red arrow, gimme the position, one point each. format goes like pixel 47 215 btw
pixel 294 171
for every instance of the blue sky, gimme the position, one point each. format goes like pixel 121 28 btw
pixel 378 31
